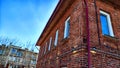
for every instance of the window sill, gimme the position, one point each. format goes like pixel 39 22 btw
pixel 65 39
pixel 111 39
pixel 54 47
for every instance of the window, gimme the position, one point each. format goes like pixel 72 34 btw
pixel 45 48
pixel 50 43
pixel 19 54
pixel 1 51
pixel 106 24
pixel 14 50
pixel 12 58
pixel 67 28
pixel 56 38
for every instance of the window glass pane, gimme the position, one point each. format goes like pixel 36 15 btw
pixel 14 51
pixel 50 43
pixel 1 51
pixel 104 24
pixel 65 31
pixel 56 38
pixel 67 27
pixel 19 54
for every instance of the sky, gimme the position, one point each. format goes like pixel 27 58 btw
pixel 25 20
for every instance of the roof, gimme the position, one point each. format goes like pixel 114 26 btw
pixel 58 12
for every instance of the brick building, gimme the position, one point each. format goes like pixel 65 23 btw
pixel 82 34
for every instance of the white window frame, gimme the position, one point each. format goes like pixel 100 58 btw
pixel 56 38
pixel 111 33
pixel 50 43
pixel 65 29
pixel 45 48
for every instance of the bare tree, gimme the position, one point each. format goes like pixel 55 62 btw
pixel 29 45
pixel 8 41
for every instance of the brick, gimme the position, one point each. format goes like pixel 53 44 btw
pixel 107 54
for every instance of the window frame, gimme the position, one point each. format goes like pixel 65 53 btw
pixel 66 29
pixel 110 29
pixel 45 48
pixel 50 43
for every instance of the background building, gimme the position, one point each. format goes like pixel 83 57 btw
pixel 15 57
pixel 82 34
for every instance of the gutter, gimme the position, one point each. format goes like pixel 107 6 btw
pixel 88 33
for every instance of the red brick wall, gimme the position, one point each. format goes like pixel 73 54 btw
pixel 62 55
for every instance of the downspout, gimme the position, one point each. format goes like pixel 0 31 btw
pixel 98 31
pixel 88 33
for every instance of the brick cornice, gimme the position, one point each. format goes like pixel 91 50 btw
pixel 115 3
pixel 58 12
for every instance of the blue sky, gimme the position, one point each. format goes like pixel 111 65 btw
pixel 25 19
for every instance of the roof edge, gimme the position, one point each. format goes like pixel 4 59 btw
pixel 49 21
